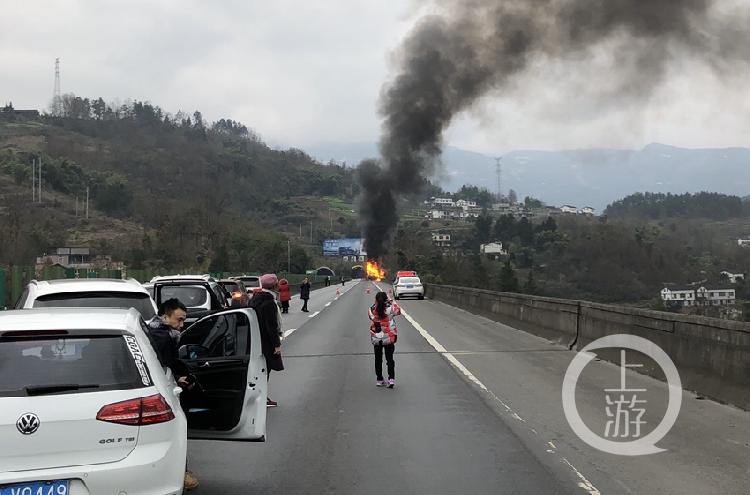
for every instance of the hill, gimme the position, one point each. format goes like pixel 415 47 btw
pixel 166 190
pixel 588 177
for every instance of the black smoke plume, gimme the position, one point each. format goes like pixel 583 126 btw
pixel 470 48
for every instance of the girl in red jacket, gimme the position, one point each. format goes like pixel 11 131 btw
pixel 383 335
pixel 284 295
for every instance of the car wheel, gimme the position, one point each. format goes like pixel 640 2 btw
pixel 421 297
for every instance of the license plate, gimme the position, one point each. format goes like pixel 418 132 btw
pixel 56 487
pixel 409 286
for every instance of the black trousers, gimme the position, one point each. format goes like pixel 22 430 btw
pixel 304 305
pixel 388 358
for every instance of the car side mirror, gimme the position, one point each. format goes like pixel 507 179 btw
pixel 192 351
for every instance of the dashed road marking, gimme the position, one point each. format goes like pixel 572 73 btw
pixel 289 332
pixel 314 314
pixel 583 483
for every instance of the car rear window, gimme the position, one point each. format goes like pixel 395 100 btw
pixel 409 280
pixel 230 286
pixel 139 301
pixel 52 366
pixel 191 296
pixel 251 281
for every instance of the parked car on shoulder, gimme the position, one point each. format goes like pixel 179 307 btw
pixel 88 292
pixel 201 294
pixel 86 406
pixel 251 282
pixel 238 293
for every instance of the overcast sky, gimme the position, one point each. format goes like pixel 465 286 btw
pixel 301 73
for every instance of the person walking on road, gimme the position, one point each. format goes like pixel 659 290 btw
pixel 304 293
pixel 264 304
pixel 284 295
pixel 343 281
pixel 328 280
pixel 383 335
pixel 163 331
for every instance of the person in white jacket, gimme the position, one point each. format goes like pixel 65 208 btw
pixel 383 335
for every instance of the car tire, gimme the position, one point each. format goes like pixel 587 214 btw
pixel 421 297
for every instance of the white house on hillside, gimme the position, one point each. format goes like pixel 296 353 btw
pixel 493 248
pixel 733 277
pixel 743 242
pixel 587 210
pixel 441 240
pixel 568 209
pixel 699 296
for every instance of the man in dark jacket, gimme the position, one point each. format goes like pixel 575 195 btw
pixel 163 331
pixel 304 293
pixel 264 304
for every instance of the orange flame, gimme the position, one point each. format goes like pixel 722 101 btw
pixel 374 270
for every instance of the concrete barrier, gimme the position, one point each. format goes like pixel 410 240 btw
pixel 711 355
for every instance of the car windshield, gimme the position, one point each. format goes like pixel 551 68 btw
pixel 409 280
pixel 251 281
pixel 230 286
pixel 46 366
pixel 192 296
pixel 139 301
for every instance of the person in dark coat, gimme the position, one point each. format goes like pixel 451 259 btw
pixel 163 331
pixel 285 295
pixel 304 293
pixel 264 304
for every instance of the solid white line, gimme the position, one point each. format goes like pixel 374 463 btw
pixel 314 314
pixel 583 483
pixel 289 332
pixel 328 304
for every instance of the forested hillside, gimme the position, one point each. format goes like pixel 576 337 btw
pixel 195 190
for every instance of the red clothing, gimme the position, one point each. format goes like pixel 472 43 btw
pixel 284 294
pixel 387 324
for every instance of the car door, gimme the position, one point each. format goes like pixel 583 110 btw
pixel 223 351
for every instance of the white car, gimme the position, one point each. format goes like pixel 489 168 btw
pixel 88 292
pixel 408 286
pixel 86 408
pixel 251 282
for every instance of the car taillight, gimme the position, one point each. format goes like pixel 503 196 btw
pixel 236 295
pixel 137 412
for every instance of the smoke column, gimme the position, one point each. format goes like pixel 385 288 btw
pixel 469 48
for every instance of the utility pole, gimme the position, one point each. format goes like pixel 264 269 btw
pixel 310 231
pixel 76 206
pixel 330 218
pixel 87 202
pixel 33 180
pixel 288 256
pixel 40 179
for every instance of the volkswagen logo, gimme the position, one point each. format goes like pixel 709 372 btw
pixel 28 423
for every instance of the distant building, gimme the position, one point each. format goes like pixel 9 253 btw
pixel 461 203
pixel 442 202
pixel 733 277
pixel 437 214
pixel 8 111
pixel 587 210
pixel 743 243
pixel 78 258
pixel 441 240
pixel 698 296
pixel 493 248
pixel 568 209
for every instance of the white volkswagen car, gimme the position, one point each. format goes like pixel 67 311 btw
pixel 88 292
pixel 408 286
pixel 87 409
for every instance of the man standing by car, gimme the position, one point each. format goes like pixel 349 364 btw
pixel 164 329
pixel 304 293
pixel 264 304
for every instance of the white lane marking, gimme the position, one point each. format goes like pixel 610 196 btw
pixel 289 332
pixel 328 304
pixel 314 314
pixel 583 483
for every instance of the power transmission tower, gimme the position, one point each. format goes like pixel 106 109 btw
pixel 499 173
pixel 56 98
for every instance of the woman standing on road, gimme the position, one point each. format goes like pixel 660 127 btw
pixel 304 293
pixel 383 335
pixel 284 295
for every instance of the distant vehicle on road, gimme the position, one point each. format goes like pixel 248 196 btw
pixel 408 286
pixel 88 407
pixel 347 251
pixel 251 282
pixel 88 292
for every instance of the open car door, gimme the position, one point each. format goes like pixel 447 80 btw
pixel 223 351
